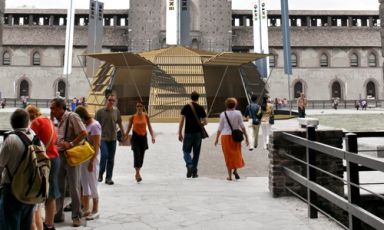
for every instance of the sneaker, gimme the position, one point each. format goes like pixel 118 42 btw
pixel 109 181
pixel 251 149
pixel 76 222
pixel 93 216
pixel 189 171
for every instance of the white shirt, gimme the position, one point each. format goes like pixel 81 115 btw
pixel 236 119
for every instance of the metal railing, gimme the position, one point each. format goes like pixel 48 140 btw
pixel 354 163
pixel 17 103
pixel 328 104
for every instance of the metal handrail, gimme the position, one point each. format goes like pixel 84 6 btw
pixel 356 213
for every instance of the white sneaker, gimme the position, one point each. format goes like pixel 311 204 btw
pixel 93 216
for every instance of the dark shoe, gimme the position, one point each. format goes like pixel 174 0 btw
pixel 68 208
pixel 189 171
pixel 76 222
pixel 138 178
pixel 255 146
pixel 109 181
pixel 58 219
pixel 237 177
pixel 45 227
pixel 194 174
pixel 100 179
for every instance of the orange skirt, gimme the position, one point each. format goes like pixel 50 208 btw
pixel 232 152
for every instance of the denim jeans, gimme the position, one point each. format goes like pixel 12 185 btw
pixel 108 150
pixel 192 141
pixel 13 213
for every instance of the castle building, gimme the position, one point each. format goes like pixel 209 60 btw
pixel 334 53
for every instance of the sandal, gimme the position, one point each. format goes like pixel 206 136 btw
pixel 138 178
pixel 229 179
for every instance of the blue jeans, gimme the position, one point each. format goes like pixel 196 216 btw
pixel 107 161
pixel 13 213
pixel 192 141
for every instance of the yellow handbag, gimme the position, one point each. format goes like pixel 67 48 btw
pixel 79 153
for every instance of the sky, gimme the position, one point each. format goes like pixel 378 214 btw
pixel 236 4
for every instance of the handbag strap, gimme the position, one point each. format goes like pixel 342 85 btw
pixel 195 115
pixel 229 123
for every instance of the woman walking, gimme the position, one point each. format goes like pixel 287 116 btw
pixel 231 149
pixel 90 168
pixel 267 113
pixel 139 123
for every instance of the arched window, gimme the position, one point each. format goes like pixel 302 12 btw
pixel 6 58
pixel 195 44
pixel 372 60
pixel 324 60
pixel 294 60
pixel 354 61
pixel 336 90
pixel 298 89
pixel 272 61
pixel 36 58
pixel 61 88
pixel 164 43
pixel 371 90
pixel 24 88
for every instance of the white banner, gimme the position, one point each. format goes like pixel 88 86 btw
pixel 260 33
pixel 69 38
pixel 172 24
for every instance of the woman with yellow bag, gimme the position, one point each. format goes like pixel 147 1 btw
pixel 90 168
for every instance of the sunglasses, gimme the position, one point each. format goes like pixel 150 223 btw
pixel 111 100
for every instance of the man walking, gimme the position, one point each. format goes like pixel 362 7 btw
pixel 108 117
pixel 253 111
pixel 192 133
pixel 13 213
pixel 301 104
pixel 71 131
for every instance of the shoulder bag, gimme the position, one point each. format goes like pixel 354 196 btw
pixel 204 133
pixel 237 134
pixel 80 153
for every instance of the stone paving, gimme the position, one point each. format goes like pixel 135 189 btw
pixel 166 199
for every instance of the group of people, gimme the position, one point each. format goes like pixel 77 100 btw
pixel 77 102
pixel 101 132
pixel 71 129
pixel 194 118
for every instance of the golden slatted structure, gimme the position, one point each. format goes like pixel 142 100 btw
pixel 183 71
pixel 166 77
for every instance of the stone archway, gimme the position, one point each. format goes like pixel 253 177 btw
pixel 24 88
pixel 336 90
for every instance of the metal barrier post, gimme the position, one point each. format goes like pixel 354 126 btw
pixel 353 177
pixel 311 173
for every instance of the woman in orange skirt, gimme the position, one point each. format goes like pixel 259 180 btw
pixel 231 149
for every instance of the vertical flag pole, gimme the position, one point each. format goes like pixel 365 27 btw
pixel 287 47
pixel 69 45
